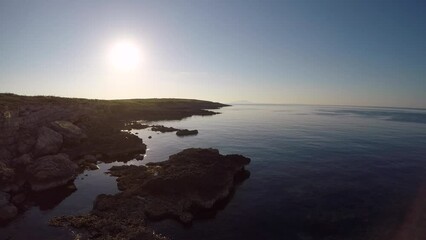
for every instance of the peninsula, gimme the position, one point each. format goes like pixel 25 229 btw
pixel 46 141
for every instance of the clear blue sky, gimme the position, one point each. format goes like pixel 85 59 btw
pixel 308 52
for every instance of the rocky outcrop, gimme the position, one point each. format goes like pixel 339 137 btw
pixel 41 136
pixel 180 187
pixel 163 129
pixel 51 171
pixel 186 132
pixel 26 143
pixel 135 125
pixel 48 142
pixel 71 133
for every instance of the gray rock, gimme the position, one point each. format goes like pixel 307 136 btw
pixel 72 134
pixel 51 171
pixel 48 142
pixel 7 212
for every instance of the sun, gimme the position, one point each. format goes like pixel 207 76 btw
pixel 125 55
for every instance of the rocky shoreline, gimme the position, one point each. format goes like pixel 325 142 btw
pixel 45 142
pixel 182 186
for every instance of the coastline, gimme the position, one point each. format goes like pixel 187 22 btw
pixel 47 142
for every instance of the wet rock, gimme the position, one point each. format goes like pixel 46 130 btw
pixel 186 132
pixel 71 133
pixel 135 125
pixel 8 212
pixel 193 178
pixel 51 171
pixel 189 180
pixel 163 129
pixel 48 142
pixel 109 226
pixel 92 166
pixel 139 157
pixel 149 137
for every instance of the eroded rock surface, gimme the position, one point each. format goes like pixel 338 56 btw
pixel 51 171
pixel 71 133
pixel 48 142
pixel 188 181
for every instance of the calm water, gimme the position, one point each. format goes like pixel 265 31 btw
pixel 317 172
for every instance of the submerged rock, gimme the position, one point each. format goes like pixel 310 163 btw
pixel 191 180
pixel 51 171
pixel 186 132
pixel 48 142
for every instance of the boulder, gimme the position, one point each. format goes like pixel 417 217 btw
pixel 51 171
pixel 72 134
pixel 26 143
pixel 22 161
pixel 48 142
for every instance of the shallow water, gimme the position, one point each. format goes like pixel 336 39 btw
pixel 317 172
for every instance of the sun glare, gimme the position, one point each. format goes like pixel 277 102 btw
pixel 125 56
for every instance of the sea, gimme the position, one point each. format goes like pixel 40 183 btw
pixel 316 172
